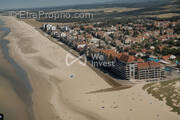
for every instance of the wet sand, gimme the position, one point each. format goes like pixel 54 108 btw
pixel 15 92
pixel 67 93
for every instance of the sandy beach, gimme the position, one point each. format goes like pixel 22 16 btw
pixel 62 92
pixel 15 90
pixel 9 87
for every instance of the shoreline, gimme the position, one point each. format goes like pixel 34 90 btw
pixel 42 104
pixel 14 83
pixel 62 97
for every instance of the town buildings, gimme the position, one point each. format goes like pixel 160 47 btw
pixel 131 51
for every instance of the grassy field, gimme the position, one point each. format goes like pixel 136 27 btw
pixel 116 9
pixel 168 91
pixel 33 22
pixel 165 15
pixel 38 24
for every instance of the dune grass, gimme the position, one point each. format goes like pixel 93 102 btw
pixel 166 91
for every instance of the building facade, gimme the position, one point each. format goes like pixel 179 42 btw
pixel 131 68
pixel 149 71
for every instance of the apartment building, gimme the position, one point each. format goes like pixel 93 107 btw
pixel 125 66
pixel 149 71
pixel 129 67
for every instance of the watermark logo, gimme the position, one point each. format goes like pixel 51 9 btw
pixel 97 60
pixel 54 15
pixel 70 60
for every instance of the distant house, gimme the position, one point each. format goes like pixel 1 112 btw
pixel 140 54
pixel 63 34
pixel 79 45
pixel 172 57
pixel 144 50
pixel 55 34
pixel 152 47
pixel 88 36
pixel 128 40
pixel 139 60
pixel 169 57
pixel 53 28
pixel 88 27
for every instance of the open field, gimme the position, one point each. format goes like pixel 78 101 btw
pixel 34 22
pixel 166 15
pixel 115 9
pixel 160 9
pixel 37 24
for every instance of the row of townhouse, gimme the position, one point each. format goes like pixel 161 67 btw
pixel 129 67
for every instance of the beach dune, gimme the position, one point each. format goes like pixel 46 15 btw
pixel 62 92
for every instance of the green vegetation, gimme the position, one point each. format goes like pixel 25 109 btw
pixel 166 90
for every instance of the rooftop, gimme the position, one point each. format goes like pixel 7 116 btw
pixel 149 64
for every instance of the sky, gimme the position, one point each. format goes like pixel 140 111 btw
pixel 6 4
